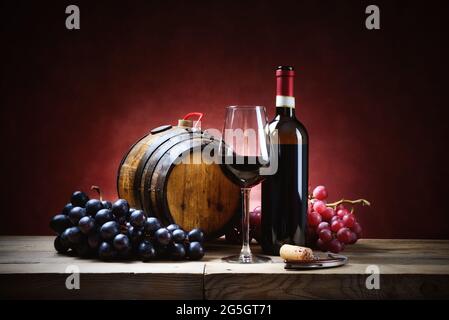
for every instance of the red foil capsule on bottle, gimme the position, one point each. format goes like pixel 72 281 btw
pixel 284 81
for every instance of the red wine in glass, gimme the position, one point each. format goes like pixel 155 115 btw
pixel 246 172
pixel 245 149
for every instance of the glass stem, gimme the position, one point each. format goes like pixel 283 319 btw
pixel 245 253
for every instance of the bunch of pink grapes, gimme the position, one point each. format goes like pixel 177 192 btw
pixel 331 226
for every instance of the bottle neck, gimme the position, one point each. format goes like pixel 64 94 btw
pixel 285 106
pixel 285 112
pixel 285 99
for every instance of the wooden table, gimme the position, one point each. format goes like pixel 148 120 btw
pixel 409 269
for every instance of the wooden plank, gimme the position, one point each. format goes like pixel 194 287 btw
pixel 31 269
pixel 102 286
pixel 409 269
pixel 415 269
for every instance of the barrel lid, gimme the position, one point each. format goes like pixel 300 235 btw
pixel 161 129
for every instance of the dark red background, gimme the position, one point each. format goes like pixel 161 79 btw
pixel 72 102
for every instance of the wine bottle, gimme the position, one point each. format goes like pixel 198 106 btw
pixel 284 194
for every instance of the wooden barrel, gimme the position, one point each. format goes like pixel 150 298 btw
pixel 152 178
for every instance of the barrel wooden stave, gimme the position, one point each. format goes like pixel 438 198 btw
pixel 127 171
pixel 143 184
pixel 163 168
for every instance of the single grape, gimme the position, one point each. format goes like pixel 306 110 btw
pixel 179 236
pixel 177 251
pixel 103 216
pixel 64 238
pixel 313 219
pixel 121 243
pixel 93 206
pixel 321 245
pixel 146 251
pixel 195 251
pixel 86 224
pixel 319 206
pixel 120 208
pixel 255 221
pixel 109 230
pixel 135 234
pixel 196 235
pixel 348 220
pixel 335 218
pixel 60 245
pixel 106 251
pixel 94 240
pixel 73 234
pixel 320 193
pixel 106 204
pixel 344 235
pixel 328 214
pixel 342 212
pixel 76 214
pixel 163 236
pixel 137 219
pixel 353 238
pixel 67 208
pixel 172 227
pixel 79 199
pixel 323 225
pixel 131 210
pixel 337 225
pixel 334 246
pixel 151 225
pixel 357 229
pixel 325 235
pixel 59 223
pixel 255 218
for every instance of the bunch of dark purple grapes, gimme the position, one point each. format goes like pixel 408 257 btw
pixel 110 231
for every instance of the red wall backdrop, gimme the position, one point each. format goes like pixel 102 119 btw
pixel 72 102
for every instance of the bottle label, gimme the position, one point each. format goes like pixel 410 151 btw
pixel 285 101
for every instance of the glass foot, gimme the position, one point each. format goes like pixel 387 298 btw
pixel 247 259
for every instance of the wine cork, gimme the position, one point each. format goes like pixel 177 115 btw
pixel 295 253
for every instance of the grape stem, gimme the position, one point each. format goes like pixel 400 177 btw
pixel 361 201
pixel 98 190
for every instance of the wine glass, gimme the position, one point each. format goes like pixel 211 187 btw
pixel 244 151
